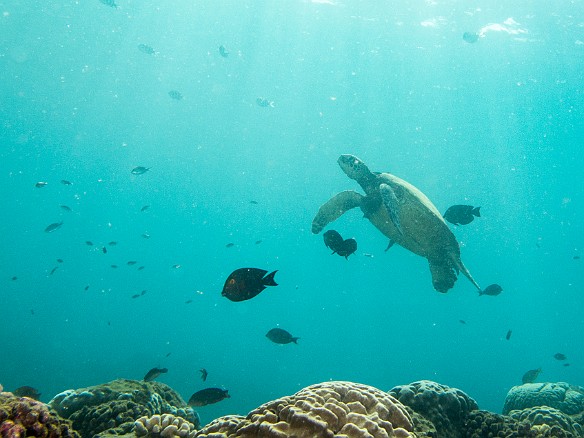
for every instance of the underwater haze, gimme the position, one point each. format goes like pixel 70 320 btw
pixel 238 111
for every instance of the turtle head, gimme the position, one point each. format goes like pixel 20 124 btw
pixel 354 168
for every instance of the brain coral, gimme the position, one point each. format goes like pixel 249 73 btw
pixel 447 408
pixel 25 417
pixel 565 397
pixel 331 409
pixel 114 406
pixel 549 421
pixel 165 426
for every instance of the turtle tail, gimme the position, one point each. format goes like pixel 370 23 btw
pixel 459 266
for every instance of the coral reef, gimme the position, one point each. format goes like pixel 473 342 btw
pixel 331 409
pixel 113 407
pixel 164 426
pixel 562 396
pixel 447 408
pixel 545 419
pixel 25 417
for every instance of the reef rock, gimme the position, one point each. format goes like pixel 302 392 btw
pixel 113 407
pixel 447 408
pixel 562 396
pixel 25 417
pixel 330 409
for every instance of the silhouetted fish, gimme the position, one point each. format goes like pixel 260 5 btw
pixel 230 245
pixel 40 184
pixel 66 183
pixel 223 51
pixel 208 396
pixel 560 356
pixel 131 262
pixel 53 227
pixel 66 208
pixel 508 335
pixel 145 207
pixel 281 336
pixel 204 374
pixel 140 170
pixel 348 247
pixel 462 214
pixel 59 260
pixel 89 243
pixel 27 391
pixel 245 283
pixel 332 239
pixel 530 376
pixel 492 290
pixel 154 373
pixel 53 270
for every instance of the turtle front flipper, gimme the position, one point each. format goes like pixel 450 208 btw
pixel 391 204
pixel 334 209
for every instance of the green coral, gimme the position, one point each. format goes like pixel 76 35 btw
pixel 113 407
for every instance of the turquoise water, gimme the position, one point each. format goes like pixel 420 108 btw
pixel 496 123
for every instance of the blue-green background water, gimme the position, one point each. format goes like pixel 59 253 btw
pixel 497 123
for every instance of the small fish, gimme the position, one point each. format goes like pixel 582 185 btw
pixel 230 245
pixel 462 321
pixel 508 335
pixel 253 202
pixel 89 243
pixel 86 288
pixel 104 250
pixel 492 290
pixel 113 243
pixel 264 103
pixel 560 356
pixel 530 376
pixel 223 51
pixel 204 374
pixel 332 239
pixel 281 336
pixel 470 37
pixel 462 214
pixel 140 268
pixel 177 266
pixel 131 262
pixel 143 292
pixel 188 301
pixel 65 208
pixel 245 283
pixel 66 183
pixel 27 391
pixel 53 227
pixel 53 270
pixel 41 184
pixel 14 278
pixel 59 260
pixel 139 170
pixel 348 247
pixel 145 207
pixel 176 95
pixel 257 242
pixel 136 296
pixel 566 365
pixel 114 266
pixel 146 236
pixel 146 49
pixel 168 354
pixel 154 373
pixel 208 396
pixel 110 3
pixel 576 257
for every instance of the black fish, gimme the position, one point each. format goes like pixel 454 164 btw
pixel 530 376
pixel 53 270
pixel 146 49
pixel 143 292
pixel 175 95
pixel 470 37
pixel 188 301
pixel 462 214
pixel 53 227
pixel 154 373
pixel 492 290
pixel 14 278
pixel 40 184
pixel 131 262
pixel 89 243
pixel 566 365
pixel 257 242
pixel 27 391
pixel 281 336
pixel 113 243
pixel 348 247
pixel 230 245
pixel 223 51
pixel 59 260
pixel 144 208
pixel 168 354
pixel 508 335
pixel 208 396
pixel 560 356
pixel 204 374
pixel 139 170
pixel 104 250
pixel 576 257
pixel 245 283
pixel 114 266
pixel 66 208
pixel 136 296
pixel 86 288
pixel 462 321
pixel 140 268
pixel 66 183
pixel 333 240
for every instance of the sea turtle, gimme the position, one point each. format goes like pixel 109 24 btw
pixel 402 213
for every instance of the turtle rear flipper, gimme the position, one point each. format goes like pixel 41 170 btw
pixel 392 205
pixel 443 276
pixel 334 208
